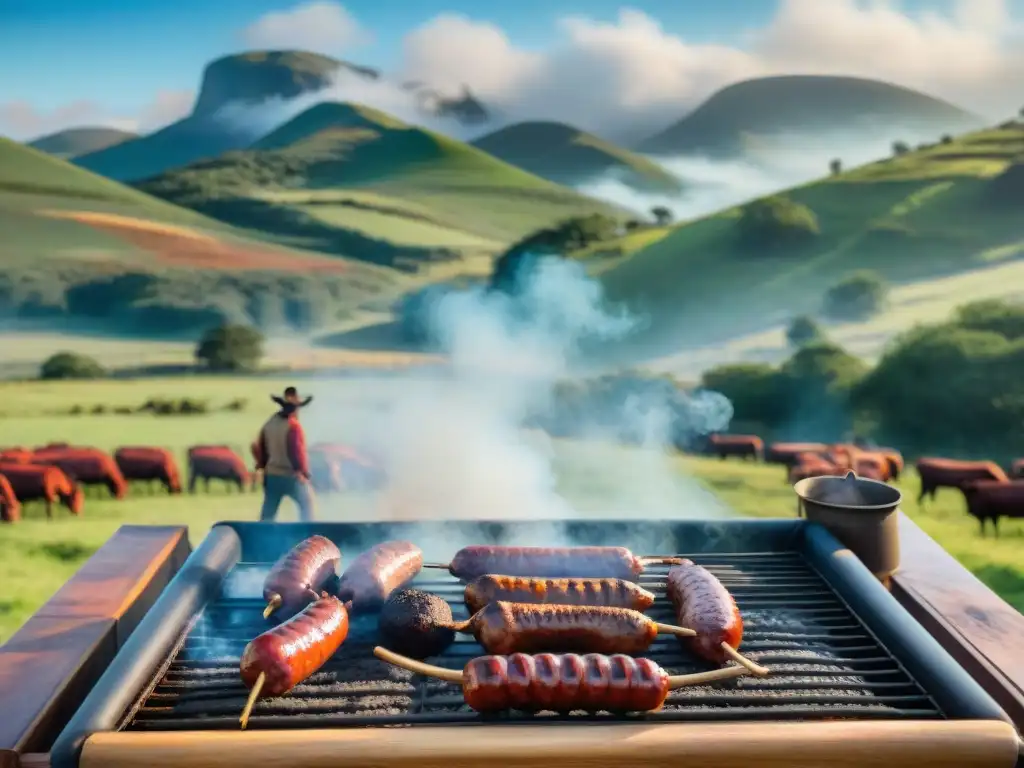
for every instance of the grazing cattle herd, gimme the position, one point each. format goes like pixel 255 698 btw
pixel 59 473
pixel 989 492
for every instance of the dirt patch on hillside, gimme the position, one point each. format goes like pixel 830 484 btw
pixel 180 247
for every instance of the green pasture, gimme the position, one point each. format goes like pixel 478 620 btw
pixel 37 556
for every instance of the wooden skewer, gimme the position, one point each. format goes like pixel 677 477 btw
pixel 251 701
pixel 752 667
pixel 419 667
pixel 272 605
pixel 660 560
pixel 442 566
pixel 455 676
pixel 672 629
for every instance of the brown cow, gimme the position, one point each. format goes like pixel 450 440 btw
pixel 216 463
pixel 951 473
pixel 787 453
pixel 1018 468
pixel 16 455
pixel 895 459
pixel 813 465
pixel 147 464
pixel 86 466
pixel 10 507
pixel 992 499
pixel 36 482
pixel 744 446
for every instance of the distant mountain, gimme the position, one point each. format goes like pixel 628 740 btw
pixel 567 155
pixel 350 180
pixel 79 141
pixel 246 78
pixel 801 104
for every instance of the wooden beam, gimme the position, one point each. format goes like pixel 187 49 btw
pixel 850 744
pixel 976 627
pixel 61 651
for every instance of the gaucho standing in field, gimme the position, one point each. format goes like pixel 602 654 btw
pixel 281 455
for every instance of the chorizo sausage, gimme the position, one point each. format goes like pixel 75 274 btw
pixel 379 571
pixel 703 604
pixel 300 575
pixel 591 683
pixel 292 651
pixel 551 562
pixel 612 593
pixel 504 628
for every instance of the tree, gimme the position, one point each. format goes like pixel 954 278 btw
pixel 946 139
pixel 803 330
pixel 777 221
pixel 662 215
pixel 755 389
pixel 856 297
pixel 230 348
pixel 836 167
pixel 70 365
pixel 900 148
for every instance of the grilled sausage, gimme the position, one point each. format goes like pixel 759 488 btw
pixel 503 628
pixel 300 575
pixel 703 604
pixel 612 593
pixel 379 571
pixel 416 623
pixel 551 562
pixel 292 651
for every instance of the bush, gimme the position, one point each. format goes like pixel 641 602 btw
pixel 803 330
pixel 992 315
pixel 900 148
pixel 70 365
pixel 776 222
pixel 231 348
pixel 856 297
pixel 757 390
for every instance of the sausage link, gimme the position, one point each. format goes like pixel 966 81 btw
pixel 292 651
pixel 566 683
pixel 611 593
pixel 504 628
pixel 703 604
pixel 371 578
pixel 302 573
pixel 550 562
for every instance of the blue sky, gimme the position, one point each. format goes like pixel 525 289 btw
pixel 118 52
pixel 119 55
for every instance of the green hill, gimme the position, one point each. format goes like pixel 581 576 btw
pixel 567 155
pixel 79 141
pixel 247 78
pixel 801 104
pixel 80 249
pixel 349 180
pixel 944 210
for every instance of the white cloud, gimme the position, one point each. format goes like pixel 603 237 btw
pixel 22 121
pixel 324 27
pixel 631 75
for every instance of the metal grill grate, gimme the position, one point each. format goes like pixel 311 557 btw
pixel 825 663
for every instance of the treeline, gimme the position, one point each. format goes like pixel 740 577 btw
pixel 181 303
pixel 955 387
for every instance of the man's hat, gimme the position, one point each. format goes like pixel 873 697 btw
pixel 291 399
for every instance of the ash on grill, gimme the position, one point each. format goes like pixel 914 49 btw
pixel 825 664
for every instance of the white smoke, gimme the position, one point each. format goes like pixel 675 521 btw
pixel 394 98
pixel 781 162
pixel 453 443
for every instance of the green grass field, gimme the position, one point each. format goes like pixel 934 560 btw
pixel 918 218
pixel 37 556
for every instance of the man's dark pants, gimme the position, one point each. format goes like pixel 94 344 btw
pixel 277 487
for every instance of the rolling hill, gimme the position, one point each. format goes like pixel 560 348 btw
pixel 799 105
pixel 80 141
pixel 567 155
pixel 930 220
pixel 349 180
pixel 247 78
pixel 79 248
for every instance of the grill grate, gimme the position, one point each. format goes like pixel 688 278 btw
pixel 825 663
